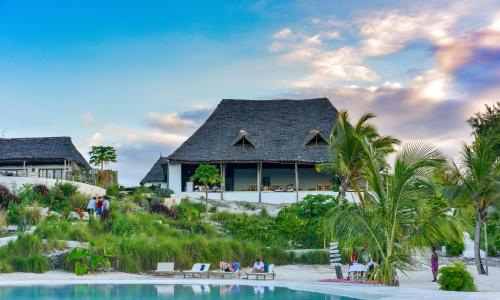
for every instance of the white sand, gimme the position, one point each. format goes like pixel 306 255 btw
pixel 417 286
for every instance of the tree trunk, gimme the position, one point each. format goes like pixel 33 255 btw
pixel 477 245
pixel 342 191
pixel 206 200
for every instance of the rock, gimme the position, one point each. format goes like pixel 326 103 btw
pixel 58 259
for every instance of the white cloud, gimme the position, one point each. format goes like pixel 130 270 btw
pixel 87 119
pixel 283 33
pixel 96 139
pixel 343 64
pixel 390 32
pixel 170 122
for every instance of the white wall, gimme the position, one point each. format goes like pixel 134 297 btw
pixel 19 181
pixel 175 177
pixel 162 185
pixel 267 197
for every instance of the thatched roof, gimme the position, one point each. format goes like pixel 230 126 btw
pixel 157 173
pixel 277 130
pixel 46 150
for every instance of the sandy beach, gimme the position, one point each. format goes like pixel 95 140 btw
pixel 418 283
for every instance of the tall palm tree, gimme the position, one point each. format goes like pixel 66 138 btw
pixel 347 151
pixel 403 212
pixel 479 183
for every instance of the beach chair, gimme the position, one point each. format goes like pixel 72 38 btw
pixel 268 272
pixel 165 269
pixel 198 270
pixel 233 275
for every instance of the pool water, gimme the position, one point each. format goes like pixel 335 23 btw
pixel 151 291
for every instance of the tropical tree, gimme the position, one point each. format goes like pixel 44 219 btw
pixel 487 124
pixel 404 211
pixel 479 183
pixel 206 174
pixel 347 151
pixel 102 155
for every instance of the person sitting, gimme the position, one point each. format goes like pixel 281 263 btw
pixel 226 267
pixel 258 266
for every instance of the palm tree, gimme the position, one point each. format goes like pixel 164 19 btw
pixel 479 183
pixel 403 212
pixel 347 151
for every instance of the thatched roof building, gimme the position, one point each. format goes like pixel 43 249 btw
pixel 40 151
pixel 283 131
pixel 157 174
pixel 259 145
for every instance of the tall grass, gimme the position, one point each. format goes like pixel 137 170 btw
pixel 24 255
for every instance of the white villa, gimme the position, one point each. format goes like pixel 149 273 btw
pixel 46 157
pixel 266 150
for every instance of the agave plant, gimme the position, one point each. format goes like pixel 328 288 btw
pixel 403 211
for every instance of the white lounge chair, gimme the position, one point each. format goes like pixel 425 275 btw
pixel 263 275
pixel 198 270
pixel 222 274
pixel 165 269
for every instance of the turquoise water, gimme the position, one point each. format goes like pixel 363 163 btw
pixel 153 292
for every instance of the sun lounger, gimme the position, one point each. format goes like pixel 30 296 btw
pixel 222 274
pixel 198 270
pixel 165 269
pixel 268 272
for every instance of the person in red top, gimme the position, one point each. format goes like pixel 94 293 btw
pixel 98 206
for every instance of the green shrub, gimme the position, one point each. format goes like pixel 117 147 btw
pixel 455 249
pixel 317 257
pixel 5 267
pixel 113 190
pixel 32 215
pixel 36 263
pixel 24 255
pixel 78 201
pixel 14 213
pixel 455 277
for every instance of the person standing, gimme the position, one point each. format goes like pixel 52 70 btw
pixel 91 207
pixel 434 264
pixel 106 203
pixel 98 206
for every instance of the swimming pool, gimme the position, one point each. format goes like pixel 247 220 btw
pixel 158 291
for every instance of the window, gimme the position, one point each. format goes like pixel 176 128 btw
pixel 242 140
pixel 315 138
pixel 50 173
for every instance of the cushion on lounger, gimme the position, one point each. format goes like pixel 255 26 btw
pixel 236 266
pixel 202 267
pixel 266 268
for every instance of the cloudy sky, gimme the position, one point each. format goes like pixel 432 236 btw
pixel 143 75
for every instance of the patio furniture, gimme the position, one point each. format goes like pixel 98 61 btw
pixel 198 270
pixel 233 275
pixel 356 271
pixel 165 269
pixel 268 272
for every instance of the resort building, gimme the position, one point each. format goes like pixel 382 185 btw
pixel 157 176
pixel 265 149
pixel 47 157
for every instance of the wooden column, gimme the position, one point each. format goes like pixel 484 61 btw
pixel 259 180
pixel 297 182
pixel 223 181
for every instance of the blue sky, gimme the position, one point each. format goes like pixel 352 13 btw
pixel 143 75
